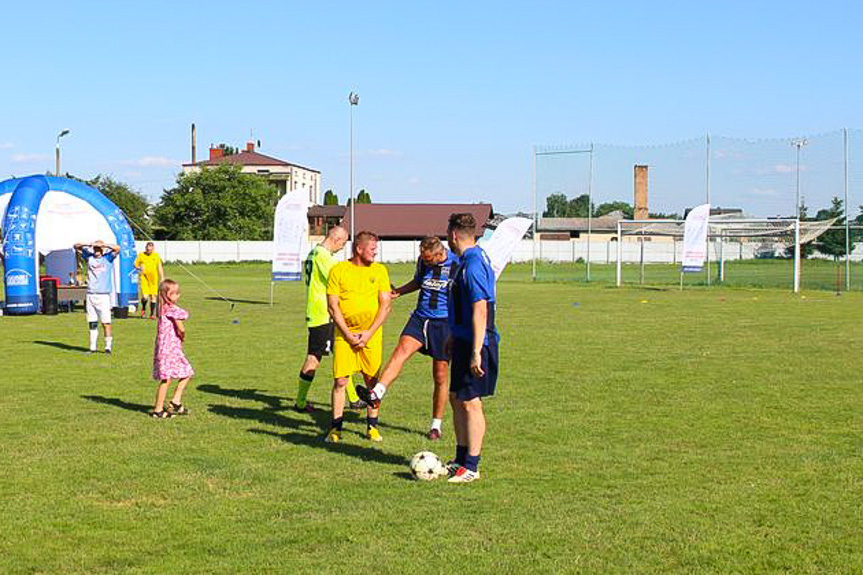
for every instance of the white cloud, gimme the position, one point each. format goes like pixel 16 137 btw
pixel 764 192
pixel 6 145
pixel 29 158
pixel 383 152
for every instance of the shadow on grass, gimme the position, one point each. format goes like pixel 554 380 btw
pixel 117 402
pixel 250 394
pixel 320 420
pixel 358 451
pixel 234 300
pixel 61 345
pixel 404 475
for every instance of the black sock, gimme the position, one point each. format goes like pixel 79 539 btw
pixel 372 421
pixel 460 454
pixel 143 305
pixel 337 423
pixel 152 308
pixel 471 462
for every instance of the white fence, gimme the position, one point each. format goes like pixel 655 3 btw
pixel 392 251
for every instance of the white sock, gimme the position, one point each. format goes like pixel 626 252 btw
pixel 108 342
pixel 436 423
pixel 94 335
pixel 379 390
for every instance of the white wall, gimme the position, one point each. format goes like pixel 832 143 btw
pixel 408 251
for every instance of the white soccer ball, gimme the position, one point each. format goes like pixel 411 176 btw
pixel 426 466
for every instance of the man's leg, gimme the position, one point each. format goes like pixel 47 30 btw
pixel 152 306
pixel 177 400
pixel 439 398
pixel 475 426
pixel 372 413
pixel 109 339
pixel 307 376
pixel 338 402
pixel 459 424
pixel 406 347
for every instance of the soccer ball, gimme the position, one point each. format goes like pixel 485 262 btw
pixel 426 466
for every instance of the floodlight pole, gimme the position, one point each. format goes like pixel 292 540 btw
pixel 535 213
pixel 619 252
pixel 798 143
pixel 847 212
pixel 707 250
pixel 589 208
pixel 353 100
pixel 57 152
pixel 797 255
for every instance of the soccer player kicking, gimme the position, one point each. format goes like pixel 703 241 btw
pixel 100 282
pixel 426 331
pixel 150 273
pixel 358 296
pixel 316 271
pixel 473 344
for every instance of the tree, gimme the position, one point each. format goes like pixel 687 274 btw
pixel 555 206
pixel 608 207
pixel 228 150
pixel 136 207
pixel 330 198
pixel 578 207
pixel 832 242
pixel 363 197
pixel 217 204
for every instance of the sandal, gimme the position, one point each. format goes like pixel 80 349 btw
pixel 161 414
pixel 177 408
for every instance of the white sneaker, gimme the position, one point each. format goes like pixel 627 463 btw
pixel 463 475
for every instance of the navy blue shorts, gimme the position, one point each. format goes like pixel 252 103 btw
pixel 462 382
pixel 431 333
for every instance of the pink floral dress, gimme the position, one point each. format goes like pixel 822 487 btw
pixel 169 361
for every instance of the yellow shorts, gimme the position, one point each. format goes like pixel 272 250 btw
pixel 346 361
pixel 147 286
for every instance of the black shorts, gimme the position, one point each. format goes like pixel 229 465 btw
pixel 321 340
pixel 431 333
pixel 462 382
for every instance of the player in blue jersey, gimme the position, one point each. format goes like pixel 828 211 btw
pixel 473 345
pixel 427 329
pixel 100 273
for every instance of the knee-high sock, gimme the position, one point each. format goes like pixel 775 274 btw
pixel 94 335
pixel 352 391
pixel 305 382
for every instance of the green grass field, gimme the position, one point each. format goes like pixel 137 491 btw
pixel 634 431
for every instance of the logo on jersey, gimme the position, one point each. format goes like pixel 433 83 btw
pixel 436 284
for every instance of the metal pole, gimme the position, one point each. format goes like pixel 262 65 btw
pixel 707 251
pixel 721 258
pixel 589 208
pixel 353 99
pixel 796 255
pixel 797 185
pixel 847 214
pixel 642 256
pixel 619 253
pixel 535 213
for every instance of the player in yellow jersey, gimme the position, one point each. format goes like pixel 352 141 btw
pixel 358 296
pixel 150 273
pixel 316 271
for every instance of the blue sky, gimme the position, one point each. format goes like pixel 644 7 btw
pixel 453 95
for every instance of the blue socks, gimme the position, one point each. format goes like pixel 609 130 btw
pixel 471 462
pixel 372 421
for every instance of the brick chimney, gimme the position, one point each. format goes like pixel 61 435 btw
pixel 641 212
pixel 250 146
pixel 216 153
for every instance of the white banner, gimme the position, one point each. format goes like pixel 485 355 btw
pixel 503 242
pixel 695 238
pixel 290 236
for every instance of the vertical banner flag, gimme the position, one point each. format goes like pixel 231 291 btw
pixel 290 236
pixel 695 238
pixel 500 245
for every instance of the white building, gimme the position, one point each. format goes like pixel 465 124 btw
pixel 284 175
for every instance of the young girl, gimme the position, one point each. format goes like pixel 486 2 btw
pixel 169 361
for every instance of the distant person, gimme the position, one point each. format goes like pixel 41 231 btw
pixel 169 361
pixel 426 331
pixel 149 266
pixel 100 283
pixel 473 344
pixel 316 272
pixel 358 296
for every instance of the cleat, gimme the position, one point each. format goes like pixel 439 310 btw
pixel 108 351
pixel 372 434
pixel 333 436
pixel 451 467
pixel 433 434
pixel 368 396
pixel 463 475
pixel 307 408
pixel 357 405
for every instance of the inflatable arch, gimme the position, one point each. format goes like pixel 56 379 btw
pixel 44 213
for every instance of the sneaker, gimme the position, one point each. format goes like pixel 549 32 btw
pixel 372 434
pixel 307 408
pixel 433 434
pixel 463 475
pixel 368 396
pixel 452 466
pixel 108 351
pixel 357 405
pixel 333 436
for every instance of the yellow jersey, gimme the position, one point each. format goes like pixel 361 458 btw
pixel 149 265
pixel 358 288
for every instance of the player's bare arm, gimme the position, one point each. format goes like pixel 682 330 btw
pixel 384 308
pixel 339 319
pixel 480 319
pixel 405 289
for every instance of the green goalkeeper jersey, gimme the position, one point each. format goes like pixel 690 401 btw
pixel 316 270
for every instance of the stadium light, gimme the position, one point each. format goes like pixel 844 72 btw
pixel 353 100
pixel 57 152
pixel 798 143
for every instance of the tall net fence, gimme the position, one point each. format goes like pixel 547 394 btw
pixel 809 177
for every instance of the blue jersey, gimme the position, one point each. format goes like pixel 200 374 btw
pixel 100 271
pixel 473 281
pixel 434 286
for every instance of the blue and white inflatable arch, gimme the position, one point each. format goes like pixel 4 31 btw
pixel 41 214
